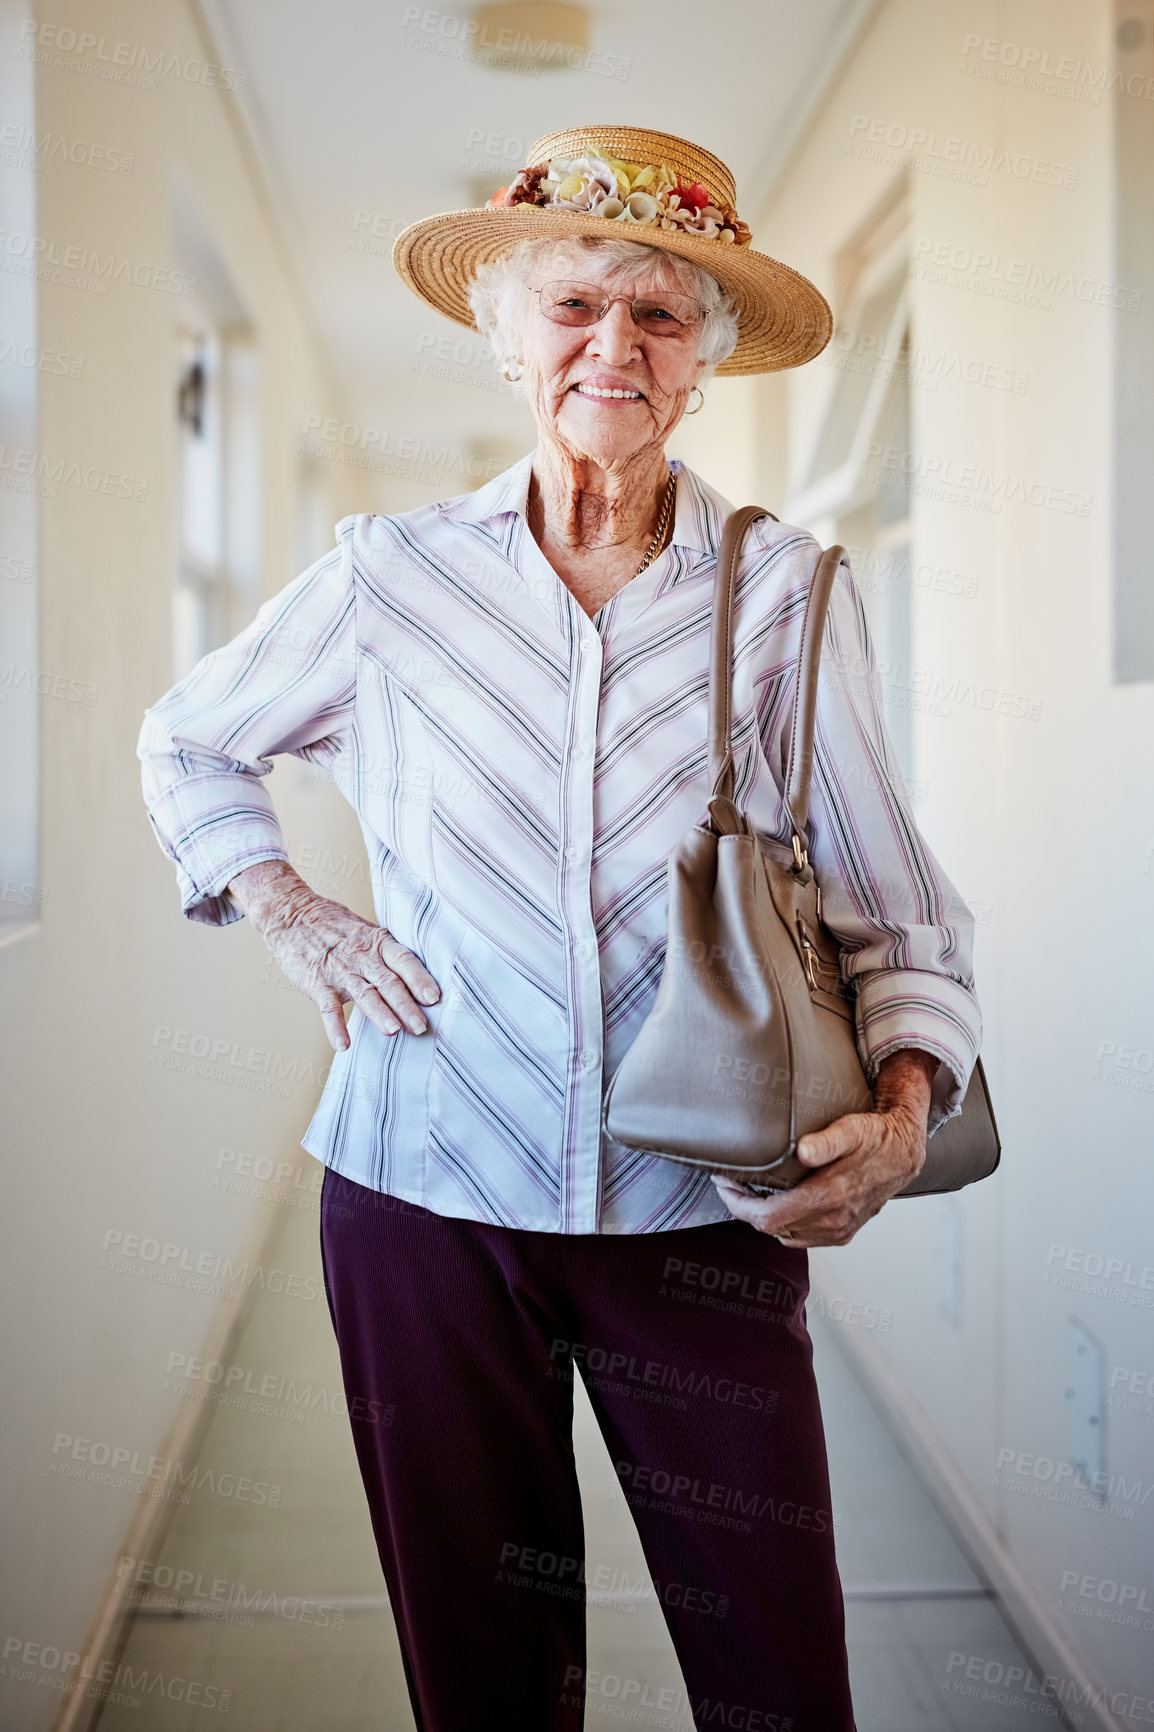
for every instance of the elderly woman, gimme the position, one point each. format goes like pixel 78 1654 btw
pixel 510 688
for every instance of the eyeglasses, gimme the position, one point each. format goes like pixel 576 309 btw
pixel 568 303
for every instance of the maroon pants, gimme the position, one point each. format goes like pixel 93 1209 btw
pixel 458 1343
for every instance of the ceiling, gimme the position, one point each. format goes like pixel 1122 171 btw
pixel 358 131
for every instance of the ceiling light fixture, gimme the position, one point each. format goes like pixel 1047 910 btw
pixel 531 35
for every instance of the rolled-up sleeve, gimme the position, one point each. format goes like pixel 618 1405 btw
pixel 287 683
pixel 906 933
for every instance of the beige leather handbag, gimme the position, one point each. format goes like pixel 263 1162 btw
pixel 751 1039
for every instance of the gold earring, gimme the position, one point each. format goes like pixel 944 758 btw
pixel 514 361
pixel 701 405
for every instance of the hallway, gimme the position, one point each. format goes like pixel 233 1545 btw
pixel 322 1652
pixel 209 362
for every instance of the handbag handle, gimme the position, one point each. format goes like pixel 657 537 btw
pixel 799 770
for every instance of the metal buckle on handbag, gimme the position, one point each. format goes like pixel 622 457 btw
pixel 808 954
pixel 824 978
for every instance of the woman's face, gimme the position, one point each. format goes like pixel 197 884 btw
pixel 566 366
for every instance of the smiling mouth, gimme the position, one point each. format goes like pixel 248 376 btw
pixel 607 392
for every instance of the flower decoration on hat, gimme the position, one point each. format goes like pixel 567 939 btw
pixel 596 184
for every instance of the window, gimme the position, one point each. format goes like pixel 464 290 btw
pixel 1133 343
pixel 21 677
pixel 217 412
pixel 843 492
pixel 315 528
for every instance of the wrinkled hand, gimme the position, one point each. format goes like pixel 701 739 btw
pixel 332 954
pixel 861 1161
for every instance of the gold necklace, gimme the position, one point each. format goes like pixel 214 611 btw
pixel 662 522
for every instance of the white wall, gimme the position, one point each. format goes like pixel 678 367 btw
pixel 99 1139
pixel 1043 823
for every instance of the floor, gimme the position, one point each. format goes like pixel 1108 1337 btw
pixel 282 1607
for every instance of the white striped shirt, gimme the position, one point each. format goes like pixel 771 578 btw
pixel 521 773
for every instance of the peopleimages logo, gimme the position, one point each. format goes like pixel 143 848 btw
pixel 1109 1272
pixel 127 1469
pixel 1031 65
pixel 130 1253
pixel 655 1488
pixel 650 1377
pixel 468 38
pixel 1138 1390
pixel 267 1393
pixel 77 1674
pixel 640 1702
pixel 1020 1687
pixel 22 147
pixel 123 62
pixel 1106 1601
pixel 36 253
pixel 990 485
pixel 1009 278
pixel 945 154
pixel 184 1590
pixel 219 1059
pixel 1064 1482
pixel 524 1566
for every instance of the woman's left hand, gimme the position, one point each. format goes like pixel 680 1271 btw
pixel 860 1162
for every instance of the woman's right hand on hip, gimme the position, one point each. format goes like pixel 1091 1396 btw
pixel 332 954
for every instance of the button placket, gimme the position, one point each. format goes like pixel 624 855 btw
pixel 581 1156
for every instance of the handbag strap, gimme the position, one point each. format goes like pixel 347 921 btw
pixel 799 770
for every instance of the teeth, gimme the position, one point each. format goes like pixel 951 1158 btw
pixel 604 391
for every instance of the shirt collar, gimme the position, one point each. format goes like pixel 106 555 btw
pixel 698 516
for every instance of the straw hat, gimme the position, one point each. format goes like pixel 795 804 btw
pixel 659 191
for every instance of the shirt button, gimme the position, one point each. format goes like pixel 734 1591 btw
pixel 584 949
pixel 574 851
pixel 588 1059
pixel 586 645
pixel 580 751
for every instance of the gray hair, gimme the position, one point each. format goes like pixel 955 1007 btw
pixel 497 307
